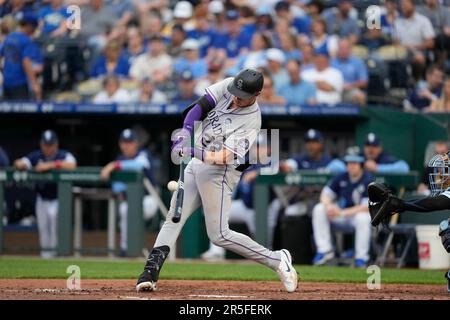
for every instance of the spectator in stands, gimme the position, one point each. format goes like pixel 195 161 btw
pixel 314 9
pixel 320 40
pixel 298 91
pixel 344 200
pixel 234 41
pixel 378 160
pixel 415 33
pixel 112 61
pixel 131 157
pixel 439 16
pixel 314 158
pixel 389 17
pixel 215 74
pixel 98 21
pixel 112 92
pixel 283 13
pixel 307 54
pixel 426 92
pixel 191 60
pixel 182 15
pixel 216 10
pixel 15 8
pixel 123 11
pixel 268 94
pixel 48 157
pixel 354 71
pixel 264 20
pixel 186 85
pixel 155 64
pixel 176 40
pixel 202 31
pixel 328 80
pixel 288 43
pixel 423 188
pixel 341 23
pixel 148 93
pixel 18 51
pixel 4 159
pixel 256 57
pixel 275 65
pixel 151 26
pixel 53 19
pixel 135 45
pixel 374 39
pixel 443 103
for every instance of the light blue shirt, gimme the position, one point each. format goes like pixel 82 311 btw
pixel 353 69
pixel 299 93
pixel 199 68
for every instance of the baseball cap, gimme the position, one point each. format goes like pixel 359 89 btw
pixel 282 5
pixel 313 135
pixel 353 158
pixel 246 84
pixel 216 6
pixel 186 75
pixel 372 140
pixel 29 18
pixel 276 55
pixel 263 10
pixel 128 135
pixel 183 10
pixel 190 44
pixel 49 137
pixel 232 15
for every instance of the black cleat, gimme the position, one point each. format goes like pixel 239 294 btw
pixel 147 280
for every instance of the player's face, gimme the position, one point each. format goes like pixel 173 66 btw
pixel 238 102
pixel 49 149
pixel 128 148
pixel 313 148
pixel 354 169
pixel 372 152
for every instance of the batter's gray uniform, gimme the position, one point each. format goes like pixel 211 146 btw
pixel 211 185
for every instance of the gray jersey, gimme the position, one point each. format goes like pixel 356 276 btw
pixel 225 126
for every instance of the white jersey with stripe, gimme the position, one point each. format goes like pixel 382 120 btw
pixel 233 128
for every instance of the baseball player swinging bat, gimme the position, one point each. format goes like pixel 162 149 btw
pixel 179 204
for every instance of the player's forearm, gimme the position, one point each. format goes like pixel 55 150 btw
pixel 65 165
pixel 28 68
pixel 428 204
pixel 355 210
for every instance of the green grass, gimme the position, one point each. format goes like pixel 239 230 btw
pixel 16 268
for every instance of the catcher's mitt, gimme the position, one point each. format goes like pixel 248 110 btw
pixel 382 203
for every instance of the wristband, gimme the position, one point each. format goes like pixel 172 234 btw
pixel 57 164
pixel 117 165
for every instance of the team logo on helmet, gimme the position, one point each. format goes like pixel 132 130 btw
pixel 239 84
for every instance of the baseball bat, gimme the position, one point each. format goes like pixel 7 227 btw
pixel 180 195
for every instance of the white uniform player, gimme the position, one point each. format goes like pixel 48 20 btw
pixel 48 157
pixel 230 121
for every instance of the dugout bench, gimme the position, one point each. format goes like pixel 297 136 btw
pixel 263 183
pixel 86 176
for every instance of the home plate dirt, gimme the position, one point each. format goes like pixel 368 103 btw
pixel 51 289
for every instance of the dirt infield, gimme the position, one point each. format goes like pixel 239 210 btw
pixel 45 289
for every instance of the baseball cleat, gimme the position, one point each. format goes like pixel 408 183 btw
pixel 322 258
pixel 286 271
pixel 146 281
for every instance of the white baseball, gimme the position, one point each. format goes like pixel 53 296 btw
pixel 172 186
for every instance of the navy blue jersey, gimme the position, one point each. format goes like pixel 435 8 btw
pixel 304 162
pixel 347 193
pixel 4 160
pixel 385 158
pixel 47 191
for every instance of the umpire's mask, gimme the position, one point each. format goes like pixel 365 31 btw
pixel 439 175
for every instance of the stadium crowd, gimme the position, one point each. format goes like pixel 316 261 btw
pixel 312 52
